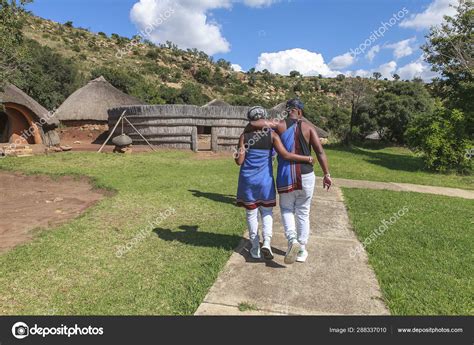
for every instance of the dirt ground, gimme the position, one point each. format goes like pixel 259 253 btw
pixel 28 203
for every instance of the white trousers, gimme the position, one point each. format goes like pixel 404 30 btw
pixel 295 209
pixel 266 214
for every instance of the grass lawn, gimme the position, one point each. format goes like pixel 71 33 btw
pixel 424 262
pixel 389 164
pixel 74 269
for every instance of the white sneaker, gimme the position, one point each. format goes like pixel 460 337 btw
pixel 255 252
pixel 302 255
pixel 267 250
pixel 293 249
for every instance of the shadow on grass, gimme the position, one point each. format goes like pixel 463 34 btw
pixel 190 234
pixel 226 199
pixel 387 160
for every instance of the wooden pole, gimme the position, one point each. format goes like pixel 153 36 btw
pixel 112 132
pixel 136 130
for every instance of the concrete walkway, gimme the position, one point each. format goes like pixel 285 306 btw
pixel 405 187
pixel 331 282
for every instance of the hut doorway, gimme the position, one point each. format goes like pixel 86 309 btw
pixel 17 126
pixel 3 127
pixel 204 138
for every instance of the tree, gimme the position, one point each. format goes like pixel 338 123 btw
pixel 397 105
pixel 47 76
pixel 340 77
pixel 377 75
pixel 396 76
pixel 11 38
pixel 441 139
pixel 295 74
pixel 68 24
pixel 224 64
pixel 358 92
pixel 450 51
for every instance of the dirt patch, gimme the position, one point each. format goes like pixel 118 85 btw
pixel 32 202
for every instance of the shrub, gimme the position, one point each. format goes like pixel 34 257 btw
pixel 153 54
pixel 441 138
pixel 203 75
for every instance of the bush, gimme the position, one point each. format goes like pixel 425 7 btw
pixel 441 138
pixel 153 54
pixel 203 75
pixel 192 94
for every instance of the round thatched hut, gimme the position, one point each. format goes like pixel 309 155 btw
pixel 24 121
pixel 183 126
pixel 89 104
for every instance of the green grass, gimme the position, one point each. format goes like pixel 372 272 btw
pixel 389 164
pixel 246 306
pixel 74 269
pixel 424 262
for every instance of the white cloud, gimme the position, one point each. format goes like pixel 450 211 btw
pixel 372 52
pixel 301 60
pixel 259 3
pixel 402 48
pixel 342 61
pixel 433 15
pixel 418 69
pixel 186 23
pixel 237 68
pixel 386 69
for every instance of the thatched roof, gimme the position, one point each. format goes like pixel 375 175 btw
pixel 12 94
pixel 92 101
pixel 217 103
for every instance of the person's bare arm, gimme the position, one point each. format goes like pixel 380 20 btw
pixel 240 157
pixel 320 155
pixel 279 126
pixel 280 148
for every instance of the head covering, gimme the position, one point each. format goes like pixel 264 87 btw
pixel 295 103
pixel 257 113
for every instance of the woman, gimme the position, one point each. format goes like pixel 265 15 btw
pixel 256 191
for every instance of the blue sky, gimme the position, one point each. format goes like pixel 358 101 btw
pixel 279 35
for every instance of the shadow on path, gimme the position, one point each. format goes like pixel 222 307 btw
pixel 191 235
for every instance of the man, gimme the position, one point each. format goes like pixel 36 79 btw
pixel 295 181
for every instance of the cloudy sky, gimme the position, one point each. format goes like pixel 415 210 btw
pixel 325 37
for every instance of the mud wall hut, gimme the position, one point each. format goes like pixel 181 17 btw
pixel 182 126
pixel 24 121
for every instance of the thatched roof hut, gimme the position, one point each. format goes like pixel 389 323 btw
pixel 91 102
pixel 25 121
